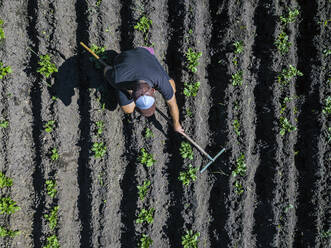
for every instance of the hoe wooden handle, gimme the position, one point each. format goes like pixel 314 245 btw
pixel 91 52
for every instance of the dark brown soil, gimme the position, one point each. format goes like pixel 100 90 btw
pixel 285 200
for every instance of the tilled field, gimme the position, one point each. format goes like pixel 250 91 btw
pixel 280 200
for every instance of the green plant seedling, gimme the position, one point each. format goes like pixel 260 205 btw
pixel 191 89
pixel 237 78
pixel 5 181
pixel 4 232
pixel 2 33
pixel 148 133
pixel 146 216
pixel 145 158
pixel 282 43
pixel 47 68
pixel 143 25
pixel 326 52
pixel 100 51
pixel 52 242
pixel 145 241
pixel 190 239
pixel 192 59
pixel 240 166
pixel 285 126
pixel 291 16
pixel 189 112
pixel 239 47
pixel 52 218
pixel 290 206
pixel 142 190
pixel 99 149
pixel 4 124
pixel 327 106
pixel 287 75
pixel 100 125
pixel 235 61
pixel 49 126
pixel 326 234
pixel 189 175
pixel 238 187
pixel 8 206
pixel 236 126
pixel 51 188
pixel 186 150
pixel 98 3
pixel 55 154
pixel 4 70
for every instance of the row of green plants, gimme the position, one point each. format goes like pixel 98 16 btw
pixel 288 74
pixel 146 214
pixel 237 80
pixel 7 206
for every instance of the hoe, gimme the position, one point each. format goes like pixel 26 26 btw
pixel 163 115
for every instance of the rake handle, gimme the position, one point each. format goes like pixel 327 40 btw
pixel 197 146
pixel 93 53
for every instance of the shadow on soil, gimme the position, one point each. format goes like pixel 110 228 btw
pixel 66 79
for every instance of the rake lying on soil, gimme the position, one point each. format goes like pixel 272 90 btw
pixel 185 135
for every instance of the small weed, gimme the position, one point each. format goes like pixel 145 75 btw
pixel 8 206
pixel 290 206
pixel 148 133
pixel 143 25
pixel 2 33
pixel 192 59
pixel 8 233
pixel 51 188
pixel 145 158
pixel 285 126
pixel 284 104
pixel 326 234
pixel 189 112
pixel 186 150
pixel 54 98
pixel 5 181
pixel 52 242
pixel 191 89
pixel 189 175
pixel 47 68
pixel 145 241
pixel 142 190
pixel 55 154
pixel 236 126
pixel 327 106
pixel 240 166
pixel 287 75
pixel 49 126
pixel 99 149
pixel 100 126
pixel 4 124
pixel 282 43
pixel 4 70
pixel 190 239
pixel 98 3
pixel 235 61
pixel 237 78
pixel 291 16
pixel 326 52
pixel 239 47
pixel 100 51
pixel 52 218
pixel 238 188
pixel 146 216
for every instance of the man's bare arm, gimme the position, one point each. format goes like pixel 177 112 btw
pixel 173 108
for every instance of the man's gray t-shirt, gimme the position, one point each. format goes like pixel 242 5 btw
pixel 139 64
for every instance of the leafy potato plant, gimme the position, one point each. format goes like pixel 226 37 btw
pixel 190 239
pixel 47 68
pixel 186 150
pixel 146 158
pixel 189 175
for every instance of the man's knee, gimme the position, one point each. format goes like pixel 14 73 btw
pixel 128 109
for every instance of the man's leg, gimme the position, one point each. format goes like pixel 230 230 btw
pixel 129 108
